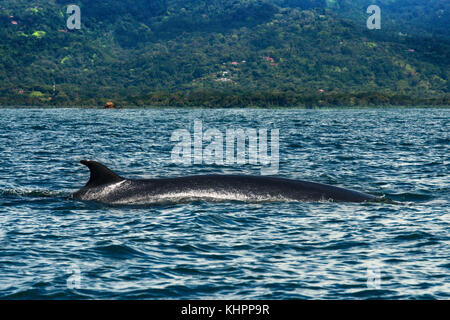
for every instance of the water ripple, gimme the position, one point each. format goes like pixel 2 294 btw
pixel 229 250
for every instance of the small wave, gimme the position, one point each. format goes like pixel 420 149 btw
pixel 410 197
pixel 386 200
pixel 118 251
pixel 32 192
pixel 446 266
pixel 375 294
pixel 417 235
pixel 346 245
pixel 39 292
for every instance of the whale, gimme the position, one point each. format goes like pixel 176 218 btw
pixel 108 187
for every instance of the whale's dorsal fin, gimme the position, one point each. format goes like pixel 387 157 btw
pixel 100 174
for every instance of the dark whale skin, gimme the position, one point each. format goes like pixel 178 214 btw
pixel 107 187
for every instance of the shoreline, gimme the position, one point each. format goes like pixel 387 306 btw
pixel 326 107
pixel 214 100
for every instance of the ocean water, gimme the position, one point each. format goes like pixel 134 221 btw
pixel 54 247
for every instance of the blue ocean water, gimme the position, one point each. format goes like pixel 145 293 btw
pixel 53 247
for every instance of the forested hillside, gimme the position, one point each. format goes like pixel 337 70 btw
pixel 224 53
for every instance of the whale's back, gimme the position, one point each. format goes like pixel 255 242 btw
pixel 106 186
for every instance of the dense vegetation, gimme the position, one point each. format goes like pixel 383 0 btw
pixel 224 53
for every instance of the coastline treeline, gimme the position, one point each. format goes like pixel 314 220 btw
pixel 209 99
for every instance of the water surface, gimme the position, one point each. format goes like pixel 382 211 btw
pixel 226 250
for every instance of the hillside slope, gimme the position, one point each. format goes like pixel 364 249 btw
pixel 216 53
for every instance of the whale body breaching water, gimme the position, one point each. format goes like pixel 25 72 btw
pixel 108 187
